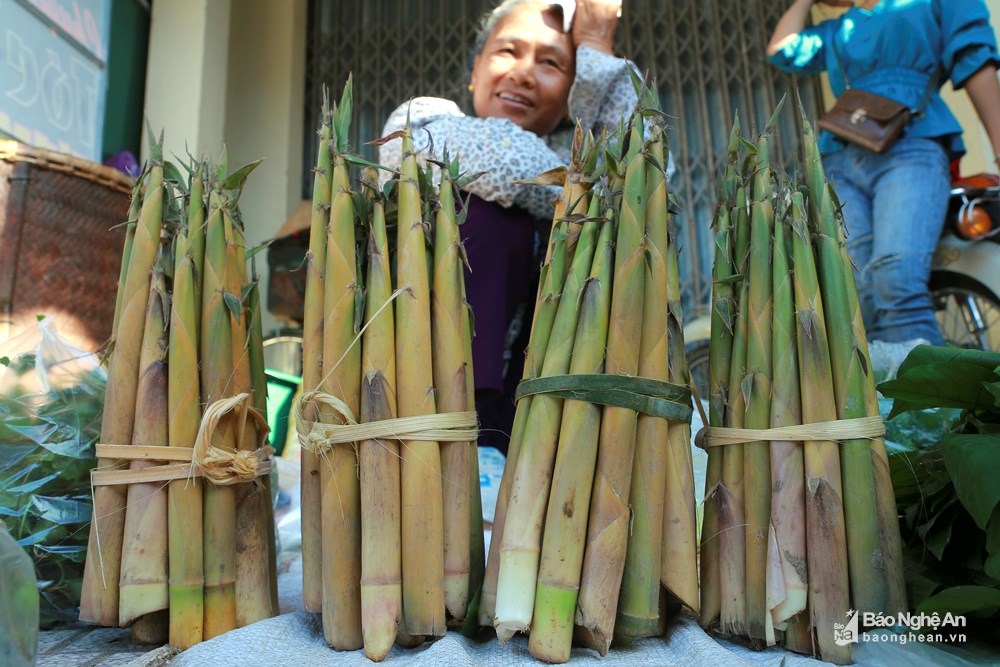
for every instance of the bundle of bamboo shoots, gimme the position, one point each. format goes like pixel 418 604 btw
pixel 595 516
pixel 392 526
pixel 800 523
pixel 173 556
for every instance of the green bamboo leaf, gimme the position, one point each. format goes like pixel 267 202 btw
pixel 233 303
pixel 173 174
pixel 972 462
pixel 236 179
pixel 361 162
pixel 222 168
pixel 342 116
pixel 962 600
pixel 255 250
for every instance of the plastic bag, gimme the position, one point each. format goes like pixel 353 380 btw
pixel 51 396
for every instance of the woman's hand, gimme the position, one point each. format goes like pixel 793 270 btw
pixel 595 23
pixel 794 19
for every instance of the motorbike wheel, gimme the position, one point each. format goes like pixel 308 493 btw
pixel 968 313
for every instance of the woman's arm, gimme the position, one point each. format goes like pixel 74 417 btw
pixel 984 91
pixel 595 23
pixel 602 89
pixel 794 20
pixel 497 147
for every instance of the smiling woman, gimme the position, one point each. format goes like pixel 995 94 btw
pixel 525 70
pixel 531 78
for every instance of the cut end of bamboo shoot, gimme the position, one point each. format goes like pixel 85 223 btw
pixel 515 592
pixel 138 600
pixel 629 626
pixel 186 615
pixel 552 633
pixel 456 594
pixel 382 607
pixel 220 609
pixel 593 639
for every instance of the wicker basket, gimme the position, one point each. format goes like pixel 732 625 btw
pixel 59 255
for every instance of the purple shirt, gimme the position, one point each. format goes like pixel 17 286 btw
pixel 500 246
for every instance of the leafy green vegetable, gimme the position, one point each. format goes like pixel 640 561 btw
pixel 46 454
pixel 946 489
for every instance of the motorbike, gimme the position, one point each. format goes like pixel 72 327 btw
pixel 965 270
pixel 964 282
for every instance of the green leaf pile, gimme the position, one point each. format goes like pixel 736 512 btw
pixel 947 493
pixel 46 453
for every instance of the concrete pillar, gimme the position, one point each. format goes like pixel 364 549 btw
pixel 264 117
pixel 186 74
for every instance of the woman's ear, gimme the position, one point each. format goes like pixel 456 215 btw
pixel 472 75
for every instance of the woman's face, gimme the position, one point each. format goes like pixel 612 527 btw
pixel 525 70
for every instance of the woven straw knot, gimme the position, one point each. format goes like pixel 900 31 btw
pixel 314 436
pixel 224 467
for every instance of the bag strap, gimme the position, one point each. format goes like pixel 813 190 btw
pixel 925 98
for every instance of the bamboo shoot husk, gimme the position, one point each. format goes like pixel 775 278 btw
pixel 788 504
pixel 720 355
pixel 520 551
pixel 732 535
pixel 826 541
pixel 143 588
pixel 638 608
pixel 422 512
pixel 551 277
pixel 341 499
pixel 312 364
pixel 679 556
pixel 381 578
pixel 99 589
pixel 756 455
pixel 184 514
pixel 216 372
pixel 253 588
pixel 573 474
pixel 607 531
pixel 448 330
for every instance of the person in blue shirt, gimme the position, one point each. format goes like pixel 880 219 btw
pixel 894 203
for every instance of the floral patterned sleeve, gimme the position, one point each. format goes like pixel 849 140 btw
pixel 495 146
pixel 601 94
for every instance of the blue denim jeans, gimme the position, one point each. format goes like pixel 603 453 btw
pixel 894 205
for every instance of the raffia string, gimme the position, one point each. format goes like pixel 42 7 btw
pixel 319 438
pixel 837 431
pixel 219 466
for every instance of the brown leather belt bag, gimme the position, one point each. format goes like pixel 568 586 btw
pixel 866 119
pixel 869 120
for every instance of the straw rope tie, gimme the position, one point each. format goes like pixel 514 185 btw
pixel 219 466
pixel 319 437
pixel 839 431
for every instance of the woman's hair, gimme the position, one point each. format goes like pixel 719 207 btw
pixel 490 19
